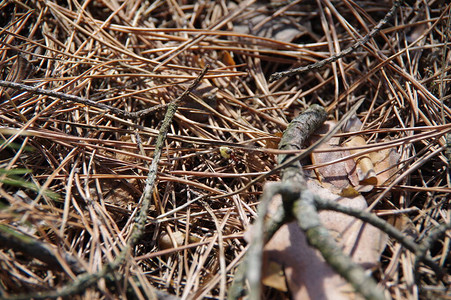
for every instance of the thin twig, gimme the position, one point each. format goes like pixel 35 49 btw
pixel 298 202
pixel 153 169
pixel 28 245
pixel 349 50
pixel 86 280
pixel 84 101
pixel 300 156
pixel 426 245
pixel 377 222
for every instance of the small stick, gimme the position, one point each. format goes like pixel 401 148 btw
pixel 298 203
pixel 349 50
pixel 86 280
pixel 32 247
pixel 293 159
pixel 384 226
pixel 319 237
pixel 87 102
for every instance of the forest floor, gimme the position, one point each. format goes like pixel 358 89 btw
pixel 74 166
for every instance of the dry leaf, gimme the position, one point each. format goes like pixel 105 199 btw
pixel 262 24
pixel 374 168
pixel 166 241
pixel 384 164
pixel 365 167
pixel 307 274
pixel 338 176
pixel 274 276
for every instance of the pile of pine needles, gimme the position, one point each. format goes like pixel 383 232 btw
pixel 76 147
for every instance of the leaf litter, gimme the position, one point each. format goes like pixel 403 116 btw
pixel 132 56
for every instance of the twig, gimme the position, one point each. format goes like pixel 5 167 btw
pixel 319 237
pixel 293 138
pixel 298 203
pixel 87 102
pixel 86 280
pixel 349 50
pixel 377 222
pixel 422 250
pixel 293 159
pixel 32 247
pixel 150 181
pixel 265 230
pixel 299 129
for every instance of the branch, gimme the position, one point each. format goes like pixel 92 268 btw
pixel 84 101
pixel 263 230
pixel 86 280
pixel 349 50
pixel 319 237
pixel 292 159
pixel 298 203
pixel 382 225
pixel 32 247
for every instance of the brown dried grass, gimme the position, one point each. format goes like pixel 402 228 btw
pixel 136 54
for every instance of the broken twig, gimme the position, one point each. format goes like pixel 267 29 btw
pixel 84 101
pixel 298 204
pixel 347 51
pixel 85 280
